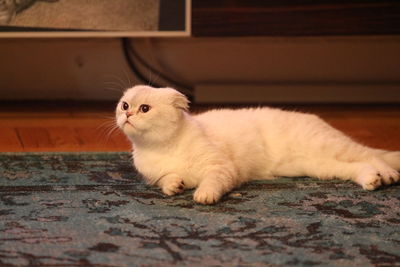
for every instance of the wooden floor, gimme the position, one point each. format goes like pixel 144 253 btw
pixel 63 126
pixel 59 126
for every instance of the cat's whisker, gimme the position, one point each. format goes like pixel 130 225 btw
pixel 153 79
pixel 112 118
pixel 120 81
pixel 149 82
pixel 113 89
pixel 111 132
pixel 106 125
pixel 113 86
pixel 127 77
pixel 106 130
pixel 113 83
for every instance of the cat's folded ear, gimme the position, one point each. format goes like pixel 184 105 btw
pixel 178 99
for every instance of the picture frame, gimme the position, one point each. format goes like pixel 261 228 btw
pixel 95 18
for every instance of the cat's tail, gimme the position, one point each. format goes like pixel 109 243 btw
pixel 392 158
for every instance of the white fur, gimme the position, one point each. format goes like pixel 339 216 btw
pixel 220 149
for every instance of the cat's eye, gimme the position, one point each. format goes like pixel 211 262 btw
pixel 124 106
pixel 144 108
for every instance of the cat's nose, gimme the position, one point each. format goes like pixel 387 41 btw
pixel 128 114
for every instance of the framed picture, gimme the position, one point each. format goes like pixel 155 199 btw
pixel 94 18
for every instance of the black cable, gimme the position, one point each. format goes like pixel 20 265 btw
pixel 128 50
pixel 133 67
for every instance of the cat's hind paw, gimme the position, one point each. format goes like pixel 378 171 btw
pixel 375 179
pixel 372 183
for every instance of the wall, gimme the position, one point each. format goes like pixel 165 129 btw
pixel 94 68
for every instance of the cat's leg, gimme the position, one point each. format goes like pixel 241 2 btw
pixel 216 183
pixel 386 163
pixel 330 153
pixel 392 158
pixel 369 174
pixel 387 174
pixel 171 184
pixel 373 173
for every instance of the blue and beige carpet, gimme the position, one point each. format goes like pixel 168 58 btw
pixel 92 209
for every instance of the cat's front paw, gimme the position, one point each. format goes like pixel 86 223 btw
pixel 206 195
pixel 173 187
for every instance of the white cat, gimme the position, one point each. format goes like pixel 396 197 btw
pixel 221 149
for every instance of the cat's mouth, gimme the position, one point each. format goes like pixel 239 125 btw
pixel 128 123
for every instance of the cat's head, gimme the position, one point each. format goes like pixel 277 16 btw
pixel 150 114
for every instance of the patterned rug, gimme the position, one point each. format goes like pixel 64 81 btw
pixel 92 209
